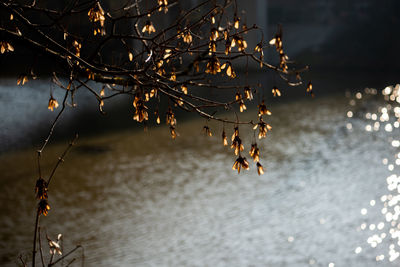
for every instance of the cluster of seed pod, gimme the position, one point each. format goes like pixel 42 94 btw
pixel 6 47
pixel 277 42
pixel 241 162
pixel 96 15
pixel 141 109
pixel 53 103
pixel 41 194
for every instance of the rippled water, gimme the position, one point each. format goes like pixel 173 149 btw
pixel 139 198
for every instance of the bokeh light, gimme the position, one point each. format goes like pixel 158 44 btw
pixel 383 119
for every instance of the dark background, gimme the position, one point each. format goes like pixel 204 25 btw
pixel 349 45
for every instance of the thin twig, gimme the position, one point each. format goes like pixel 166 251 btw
pixel 40 247
pixel 61 158
pixel 22 261
pixel 66 255
pixel 34 238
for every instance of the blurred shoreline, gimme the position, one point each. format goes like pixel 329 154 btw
pixel 27 119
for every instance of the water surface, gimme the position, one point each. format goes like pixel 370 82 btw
pixel 139 198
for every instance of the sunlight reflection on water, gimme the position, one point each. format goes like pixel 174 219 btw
pixel 385 233
pixel 134 198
